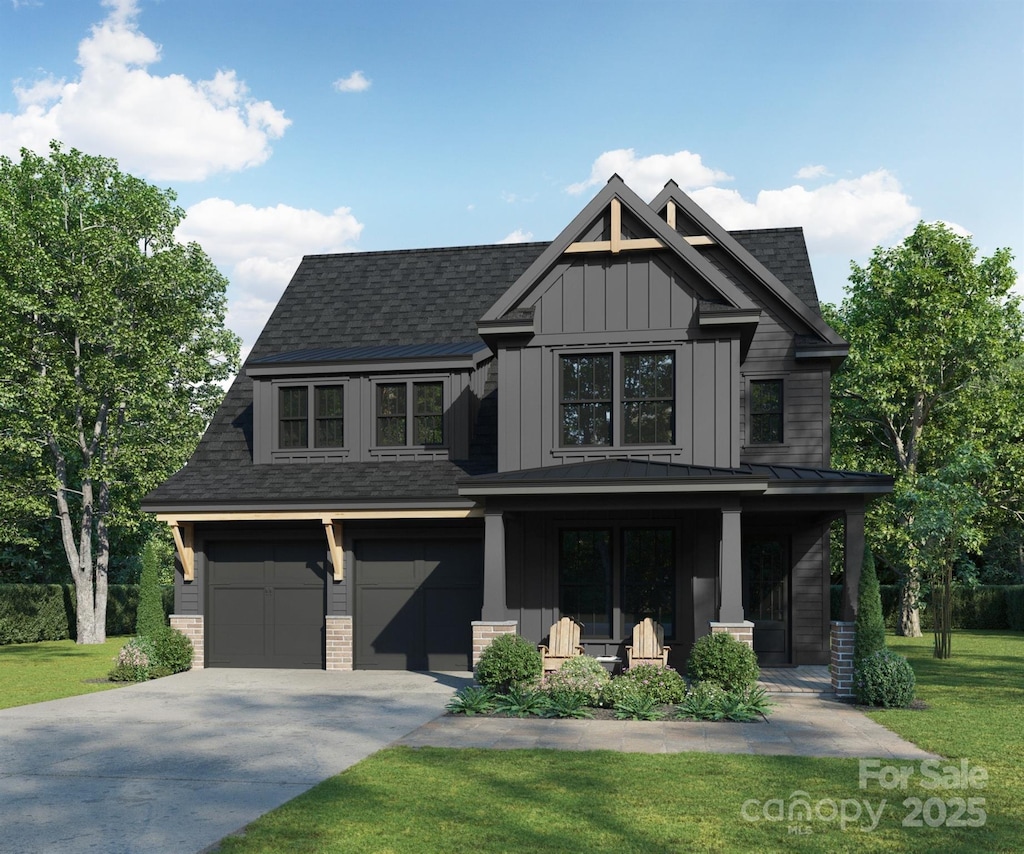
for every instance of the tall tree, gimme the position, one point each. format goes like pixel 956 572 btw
pixel 112 345
pixel 935 338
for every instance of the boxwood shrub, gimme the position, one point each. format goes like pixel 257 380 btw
pixel 511 661
pixel 720 658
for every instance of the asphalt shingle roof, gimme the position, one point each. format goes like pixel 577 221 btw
pixel 380 303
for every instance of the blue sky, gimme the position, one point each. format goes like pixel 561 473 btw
pixel 291 128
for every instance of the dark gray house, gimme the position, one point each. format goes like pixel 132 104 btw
pixel 427 448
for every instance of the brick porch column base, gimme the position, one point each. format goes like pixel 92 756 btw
pixel 339 643
pixel 485 631
pixel 191 626
pixel 743 632
pixel 841 662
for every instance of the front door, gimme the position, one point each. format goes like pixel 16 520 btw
pixel 766 596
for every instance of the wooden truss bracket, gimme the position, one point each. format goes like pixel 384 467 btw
pixel 618 243
pixel 335 545
pixel 184 541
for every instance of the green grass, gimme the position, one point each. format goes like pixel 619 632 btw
pixel 404 800
pixel 49 670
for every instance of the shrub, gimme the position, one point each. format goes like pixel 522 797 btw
pixel 511 661
pixel 708 702
pixel 172 650
pixel 701 703
pixel 657 682
pixel 884 679
pixel 634 706
pixel 722 659
pixel 150 619
pixel 471 700
pixel 869 627
pixel 581 675
pixel 567 705
pixel 521 703
pixel 1015 608
pixel 133 661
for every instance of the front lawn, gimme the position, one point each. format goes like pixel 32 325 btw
pixel 49 670
pixel 404 800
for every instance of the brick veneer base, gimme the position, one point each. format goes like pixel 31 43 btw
pixel 191 626
pixel 743 632
pixel 841 662
pixel 339 643
pixel 484 633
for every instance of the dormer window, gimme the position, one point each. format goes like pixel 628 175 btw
pixel 400 404
pixel 326 429
pixel 617 399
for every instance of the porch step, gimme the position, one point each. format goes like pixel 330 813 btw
pixel 805 679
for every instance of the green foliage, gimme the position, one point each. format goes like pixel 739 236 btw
pixel 869 626
pixel 720 658
pixel 936 360
pixel 1014 600
pixel 134 661
pixel 634 705
pixel 472 700
pixel 171 650
pixel 708 702
pixel 566 705
pixel 113 344
pixel 656 682
pixel 511 661
pixel 150 620
pixel 521 703
pixel 581 675
pixel 884 679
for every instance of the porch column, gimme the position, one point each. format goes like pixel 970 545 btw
pixel 853 559
pixel 494 566
pixel 730 568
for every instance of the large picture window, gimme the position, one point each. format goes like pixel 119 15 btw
pixel 609 590
pixel 294 422
pixel 617 399
pixel 766 421
pixel 420 404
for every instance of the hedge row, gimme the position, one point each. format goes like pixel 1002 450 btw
pixel 37 612
pixel 988 606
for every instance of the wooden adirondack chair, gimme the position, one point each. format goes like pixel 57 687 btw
pixel 648 644
pixel 563 644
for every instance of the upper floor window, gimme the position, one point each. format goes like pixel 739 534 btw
pixel 296 429
pixel 766 412
pixel 604 396
pixel 400 404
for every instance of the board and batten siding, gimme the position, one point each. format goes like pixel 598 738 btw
pixel 809 604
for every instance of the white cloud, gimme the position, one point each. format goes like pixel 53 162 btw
pixel 517 236
pixel 258 249
pixel 355 82
pixel 162 127
pixel 807 173
pixel 849 215
pixel 647 175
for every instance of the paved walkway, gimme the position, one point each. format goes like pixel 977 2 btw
pixel 802 724
pixel 806 679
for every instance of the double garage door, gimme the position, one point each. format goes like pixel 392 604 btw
pixel 414 600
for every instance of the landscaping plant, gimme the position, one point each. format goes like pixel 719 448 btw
pixel 660 683
pixel 133 661
pixel 884 678
pixel 869 627
pixel 520 703
pixel 472 700
pixel 566 705
pixel 581 675
pixel 511 661
pixel 720 658
pixel 150 620
pixel 634 705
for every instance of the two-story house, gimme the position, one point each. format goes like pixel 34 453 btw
pixel 429 447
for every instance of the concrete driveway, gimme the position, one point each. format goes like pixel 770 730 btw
pixel 176 764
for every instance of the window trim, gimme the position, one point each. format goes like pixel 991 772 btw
pixel 618 401
pixel 310 419
pixel 410 382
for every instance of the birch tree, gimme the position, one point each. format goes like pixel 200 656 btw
pixel 112 351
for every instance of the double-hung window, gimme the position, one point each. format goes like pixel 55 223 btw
pixel 297 430
pixel 401 405
pixel 766 413
pixel 617 399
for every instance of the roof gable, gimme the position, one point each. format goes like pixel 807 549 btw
pixel 616 204
pixel 682 212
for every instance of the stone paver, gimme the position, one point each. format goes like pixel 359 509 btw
pixel 802 724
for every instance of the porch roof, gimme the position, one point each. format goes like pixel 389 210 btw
pixel 623 476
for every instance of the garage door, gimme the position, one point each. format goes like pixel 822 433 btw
pixel 414 604
pixel 266 604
